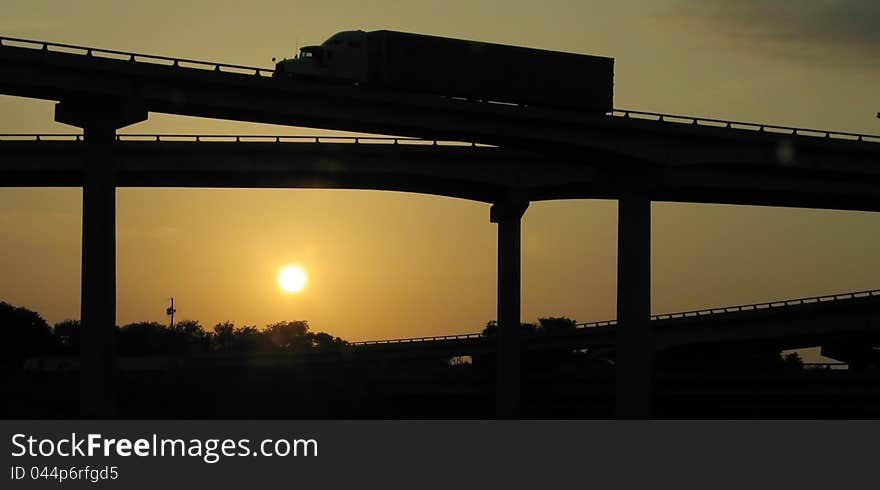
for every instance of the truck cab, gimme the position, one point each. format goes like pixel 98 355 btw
pixel 343 57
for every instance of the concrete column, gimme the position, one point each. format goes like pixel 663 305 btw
pixel 635 349
pixel 98 306
pixel 508 215
pixel 99 121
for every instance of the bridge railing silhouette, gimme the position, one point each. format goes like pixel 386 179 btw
pixel 267 72
pixel 758 127
pixel 133 57
pixel 768 305
pixel 231 138
pixel 665 316
pixel 420 339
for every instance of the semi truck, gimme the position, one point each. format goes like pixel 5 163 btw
pixel 458 68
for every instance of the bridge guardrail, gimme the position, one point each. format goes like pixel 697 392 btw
pixel 133 57
pixel 757 127
pixel 232 138
pixel 768 305
pixel 420 339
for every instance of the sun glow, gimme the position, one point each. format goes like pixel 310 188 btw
pixel 292 279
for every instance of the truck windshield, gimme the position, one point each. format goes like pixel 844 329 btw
pixel 311 52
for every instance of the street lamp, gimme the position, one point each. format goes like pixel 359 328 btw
pixel 170 312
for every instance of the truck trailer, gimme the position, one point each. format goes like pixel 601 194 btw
pixel 459 68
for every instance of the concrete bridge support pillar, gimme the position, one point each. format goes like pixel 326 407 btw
pixel 508 215
pixel 99 121
pixel 635 350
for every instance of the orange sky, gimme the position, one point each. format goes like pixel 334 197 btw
pixel 385 264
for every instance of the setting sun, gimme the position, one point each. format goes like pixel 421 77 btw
pixel 292 279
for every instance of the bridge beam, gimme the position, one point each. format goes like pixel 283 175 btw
pixel 508 215
pixel 635 350
pixel 99 121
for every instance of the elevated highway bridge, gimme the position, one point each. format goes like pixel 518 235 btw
pixel 834 320
pixel 447 168
pixel 670 158
pixel 533 153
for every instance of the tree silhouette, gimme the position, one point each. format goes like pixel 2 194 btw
pixel 229 338
pixel 557 325
pixel 224 336
pixel 24 332
pixel 291 336
pixel 66 333
pixel 153 338
pixel 249 338
pixel 792 360
pixel 324 342
pixel 189 337
pixel 491 329
pixel 144 338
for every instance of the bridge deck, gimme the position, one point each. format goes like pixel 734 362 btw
pixel 196 88
pixel 449 168
pixel 789 324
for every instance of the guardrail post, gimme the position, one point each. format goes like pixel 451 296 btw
pixel 508 215
pixel 99 121
pixel 634 363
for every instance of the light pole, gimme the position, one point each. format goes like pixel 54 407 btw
pixel 170 312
